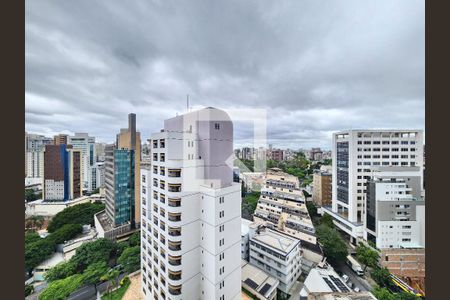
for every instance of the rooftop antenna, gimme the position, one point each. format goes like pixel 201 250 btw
pixel 187 102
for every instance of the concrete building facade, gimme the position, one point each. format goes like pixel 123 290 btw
pixel 86 145
pixel 322 187
pixel 354 155
pixel 62 174
pixel 191 214
pixel 395 208
pixel 278 254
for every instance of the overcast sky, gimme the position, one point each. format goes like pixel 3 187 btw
pixel 315 66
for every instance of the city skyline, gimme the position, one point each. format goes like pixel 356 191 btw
pixel 358 65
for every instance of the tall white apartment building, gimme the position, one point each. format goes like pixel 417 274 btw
pixel 355 154
pixel 35 164
pixel 86 144
pixel 191 211
pixel 395 210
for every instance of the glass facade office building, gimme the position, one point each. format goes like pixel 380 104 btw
pixel 124 189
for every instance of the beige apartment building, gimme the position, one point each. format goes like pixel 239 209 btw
pixel 322 186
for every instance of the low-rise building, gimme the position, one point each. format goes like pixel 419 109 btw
pixel 408 264
pixel 324 283
pixel 253 181
pixel 258 283
pixel 278 254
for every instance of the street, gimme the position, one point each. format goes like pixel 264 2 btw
pixel 358 281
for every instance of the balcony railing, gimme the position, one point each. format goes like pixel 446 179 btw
pixel 174 172
pixel 174 231
pixel 175 290
pixel 174 275
pixel 174 217
pixel 174 202
pixel 175 260
pixel 174 188
pixel 175 246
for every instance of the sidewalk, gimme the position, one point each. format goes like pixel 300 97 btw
pixel 134 291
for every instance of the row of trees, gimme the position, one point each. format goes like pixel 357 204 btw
pixel 79 214
pixel 64 226
pixel 38 249
pixel 92 263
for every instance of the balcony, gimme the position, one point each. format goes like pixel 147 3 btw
pixel 175 260
pixel 174 172
pixel 163 198
pixel 174 231
pixel 175 290
pixel 175 202
pixel 176 188
pixel 174 217
pixel 175 275
pixel 175 246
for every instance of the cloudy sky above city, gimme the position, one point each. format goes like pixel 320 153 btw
pixel 314 66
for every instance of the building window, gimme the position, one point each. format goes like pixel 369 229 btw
pixel 216 126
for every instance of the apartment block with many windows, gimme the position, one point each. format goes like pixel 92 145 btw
pixel 191 210
pixel 355 154
pixel 278 254
pixel 395 211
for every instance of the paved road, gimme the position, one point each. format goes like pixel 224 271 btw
pixel 88 292
pixel 358 281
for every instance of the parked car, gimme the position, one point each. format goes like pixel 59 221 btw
pixel 356 289
pixel 345 278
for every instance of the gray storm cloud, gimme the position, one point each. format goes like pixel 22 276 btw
pixel 316 66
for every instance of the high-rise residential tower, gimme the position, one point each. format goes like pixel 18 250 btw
pixel 86 145
pixel 34 151
pixel 355 155
pixel 191 212
pixel 62 173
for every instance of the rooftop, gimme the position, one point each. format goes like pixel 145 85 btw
pixel 324 280
pixel 276 240
pixel 257 279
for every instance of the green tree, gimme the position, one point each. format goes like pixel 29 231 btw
pixel 79 214
pixel 60 271
pixel 367 256
pixel 65 233
pixel 94 272
pixel 31 237
pixel 312 209
pixel 381 277
pixel 30 195
pixel 383 294
pixel 101 250
pixel 29 289
pixel 113 280
pixel 130 259
pixel 61 289
pixel 135 239
pixel 327 220
pixel 37 251
pixel 332 243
